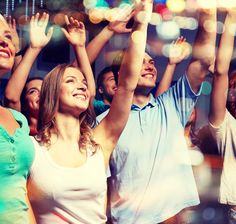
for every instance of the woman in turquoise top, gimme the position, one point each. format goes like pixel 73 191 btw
pixel 16 148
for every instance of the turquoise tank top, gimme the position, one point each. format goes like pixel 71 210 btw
pixel 16 157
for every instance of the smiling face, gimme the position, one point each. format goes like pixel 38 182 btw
pixel 7 49
pixel 32 92
pixel 108 87
pixel 148 73
pixel 74 95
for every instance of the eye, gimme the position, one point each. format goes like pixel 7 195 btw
pixel 70 80
pixel 8 36
pixel 86 84
pixel 151 62
pixel 32 91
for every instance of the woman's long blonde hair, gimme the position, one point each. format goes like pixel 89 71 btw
pixel 48 106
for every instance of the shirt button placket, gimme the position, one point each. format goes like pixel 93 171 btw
pixel 12 165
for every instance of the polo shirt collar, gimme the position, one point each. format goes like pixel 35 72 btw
pixel 151 103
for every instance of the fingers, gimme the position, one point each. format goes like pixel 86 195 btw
pixel 72 23
pixel 127 30
pixel 49 34
pixel 65 33
pixel 39 21
pixel 179 40
pixel 11 22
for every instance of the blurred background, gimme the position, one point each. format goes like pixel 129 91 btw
pixel 170 19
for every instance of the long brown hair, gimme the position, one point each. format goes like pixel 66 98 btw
pixel 48 106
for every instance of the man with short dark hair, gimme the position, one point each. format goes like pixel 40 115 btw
pixel 106 87
pixel 151 173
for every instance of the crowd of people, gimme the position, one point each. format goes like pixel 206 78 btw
pixel 134 162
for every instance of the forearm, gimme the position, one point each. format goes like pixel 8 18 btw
pixel 226 46
pixel 220 81
pixel 204 45
pixel 84 64
pixel 95 46
pixel 16 62
pixel 203 50
pixel 133 57
pixel 166 80
pixel 18 79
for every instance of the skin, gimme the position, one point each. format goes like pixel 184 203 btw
pixel 32 96
pixel 74 94
pixel 7 54
pixel 7 49
pixel 109 87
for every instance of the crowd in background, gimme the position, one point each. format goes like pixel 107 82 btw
pixel 118 148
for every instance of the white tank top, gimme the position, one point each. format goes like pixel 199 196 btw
pixel 63 195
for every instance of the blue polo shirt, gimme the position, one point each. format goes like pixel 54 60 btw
pixel 151 172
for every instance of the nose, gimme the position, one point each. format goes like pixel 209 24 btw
pixel 149 67
pixel 3 43
pixel 82 86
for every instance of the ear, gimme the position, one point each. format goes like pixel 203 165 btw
pixel 100 90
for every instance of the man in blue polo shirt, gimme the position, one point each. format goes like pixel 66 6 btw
pixel 151 175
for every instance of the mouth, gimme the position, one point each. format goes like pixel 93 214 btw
pixel 80 96
pixel 148 75
pixel 5 53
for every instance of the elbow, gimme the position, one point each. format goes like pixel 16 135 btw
pixel 207 62
pixel 9 98
pixel 221 71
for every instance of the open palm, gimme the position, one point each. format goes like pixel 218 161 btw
pixel 38 37
pixel 75 32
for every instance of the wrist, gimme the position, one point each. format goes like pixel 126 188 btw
pixel 79 48
pixel 109 29
pixel 35 48
pixel 172 64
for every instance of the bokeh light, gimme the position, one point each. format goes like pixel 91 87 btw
pixel 209 26
pixel 206 4
pixel 96 15
pixel 206 88
pixel 219 27
pixel 111 14
pixel 89 4
pixel 176 5
pixel 226 3
pixel 186 22
pixel 57 33
pixel 209 213
pixel 155 19
pixel 168 30
pixel 59 19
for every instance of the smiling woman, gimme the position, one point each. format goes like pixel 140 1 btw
pixel 16 148
pixel 67 181
pixel 7 50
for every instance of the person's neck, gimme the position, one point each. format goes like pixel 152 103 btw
pixel 33 122
pixel 68 127
pixel 187 131
pixel 141 99
pixel 106 101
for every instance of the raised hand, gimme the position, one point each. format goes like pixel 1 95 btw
pixel 178 51
pixel 143 11
pixel 38 37
pixel 75 32
pixel 15 37
pixel 119 23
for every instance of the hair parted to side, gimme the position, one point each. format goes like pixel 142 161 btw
pixel 48 107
